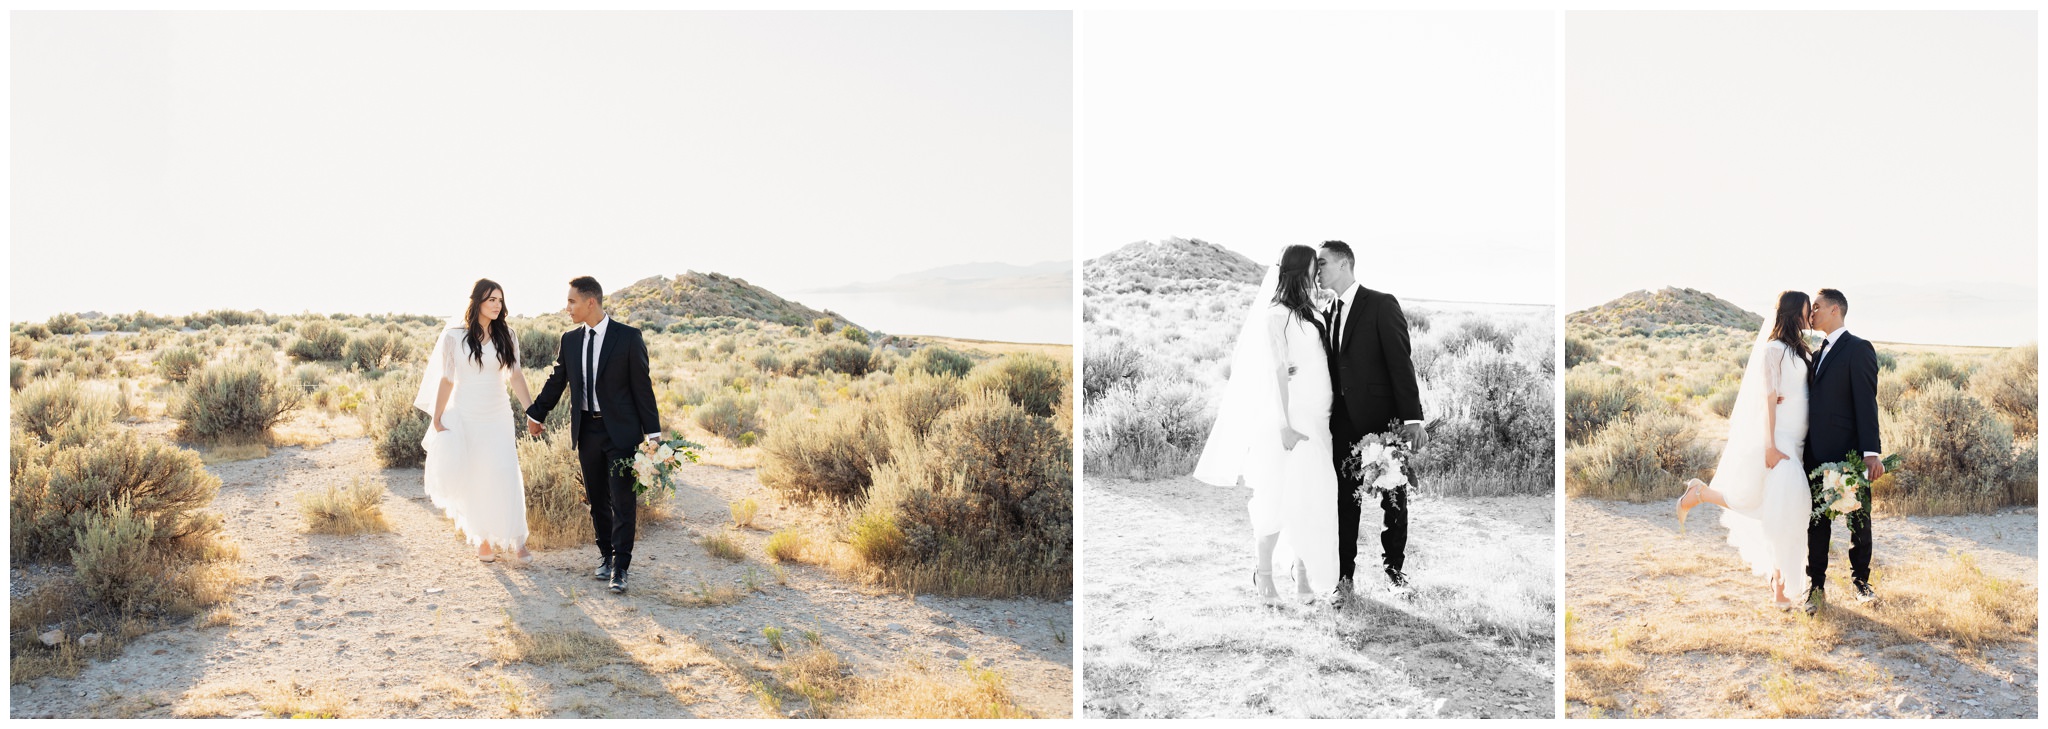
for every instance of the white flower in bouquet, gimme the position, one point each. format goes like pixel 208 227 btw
pixel 1390 480
pixel 1373 453
pixel 665 455
pixel 1846 504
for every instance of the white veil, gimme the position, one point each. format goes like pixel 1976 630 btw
pixel 1739 476
pixel 1249 413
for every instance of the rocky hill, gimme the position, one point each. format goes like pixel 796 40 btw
pixel 661 301
pixel 1147 266
pixel 1648 311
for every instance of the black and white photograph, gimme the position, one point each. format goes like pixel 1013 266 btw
pixel 774 312
pixel 1318 365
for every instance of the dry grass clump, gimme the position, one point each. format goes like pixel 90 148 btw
pixel 1951 599
pixel 556 515
pixel 788 545
pixel 237 401
pixel 577 649
pixel 722 546
pixel 338 509
pixel 743 512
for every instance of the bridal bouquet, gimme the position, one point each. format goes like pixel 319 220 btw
pixel 1841 488
pixel 658 464
pixel 1380 461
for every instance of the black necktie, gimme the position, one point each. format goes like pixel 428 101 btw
pixel 590 370
pixel 1818 356
pixel 1336 325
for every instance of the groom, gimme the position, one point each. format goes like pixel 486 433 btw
pixel 604 363
pixel 1372 385
pixel 1841 417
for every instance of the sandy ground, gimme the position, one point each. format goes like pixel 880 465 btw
pixel 1628 568
pixel 406 623
pixel 1174 631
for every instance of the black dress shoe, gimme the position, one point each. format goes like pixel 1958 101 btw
pixel 604 569
pixel 1397 577
pixel 619 582
pixel 1815 598
pixel 1864 593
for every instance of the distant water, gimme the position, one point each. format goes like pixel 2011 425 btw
pixel 1039 316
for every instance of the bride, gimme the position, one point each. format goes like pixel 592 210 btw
pixel 472 469
pixel 1273 429
pixel 1761 480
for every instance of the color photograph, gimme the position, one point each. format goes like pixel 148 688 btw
pixel 773 312
pixel 1802 365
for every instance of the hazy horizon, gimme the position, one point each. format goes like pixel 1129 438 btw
pixel 1888 155
pixel 189 161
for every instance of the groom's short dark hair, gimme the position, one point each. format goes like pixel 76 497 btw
pixel 1837 298
pixel 1340 248
pixel 588 286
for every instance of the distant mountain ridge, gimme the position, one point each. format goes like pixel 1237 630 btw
pixel 1669 306
pixel 1143 264
pixel 661 300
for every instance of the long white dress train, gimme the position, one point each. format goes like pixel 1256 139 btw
pixel 1768 508
pixel 472 469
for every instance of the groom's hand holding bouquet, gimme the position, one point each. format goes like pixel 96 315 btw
pixel 1843 487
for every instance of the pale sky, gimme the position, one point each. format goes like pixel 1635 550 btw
pixel 372 162
pixel 1424 139
pixel 1889 155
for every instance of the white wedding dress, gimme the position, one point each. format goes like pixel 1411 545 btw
pixel 1768 508
pixel 1294 491
pixel 472 469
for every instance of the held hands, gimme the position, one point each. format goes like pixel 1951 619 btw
pixel 1289 437
pixel 534 428
pixel 1875 465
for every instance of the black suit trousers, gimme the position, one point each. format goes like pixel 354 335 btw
pixel 1394 539
pixel 614 510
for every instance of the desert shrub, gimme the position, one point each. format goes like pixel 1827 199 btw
pixel 729 415
pixel 17 374
pixel 767 361
pixel 1477 331
pixel 728 345
pixel 884 361
pixel 1153 427
pixel 310 377
pixel 344 509
pixel 1722 402
pixel 855 334
pixel 1886 361
pixel 66 323
pixel 1033 381
pixel 2011 385
pixel 62 409
pixel 1594 397
pixel 1960 457
pixel 985 504
pixel 876 538
pixel 788 545
pixel 1491 428
pixel 556 515
pixel 937 360
pixel 397 427
pixel 233 401
pixel 1106 363
pixel 375 351
pixel 319 341
pixel 827 457
pixel 177 363
pixel 1929 368
pixel 36 332
pixel 916 405
pixel 1641 456
pixel 824 326
pixel 1578 351
pixel 538 347
pixel 56 490
pixel 114 558
pixel 845 358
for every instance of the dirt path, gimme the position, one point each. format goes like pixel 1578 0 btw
pixel 1174 632
pixel 408 623
pixel 1672 624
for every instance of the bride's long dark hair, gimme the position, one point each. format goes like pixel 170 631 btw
pixel 1790 324
pixel 1297 280
pixel 501 334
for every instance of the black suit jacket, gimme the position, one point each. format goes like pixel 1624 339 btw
pixel 1372 372
pixel 1841 403
pixel 625 392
